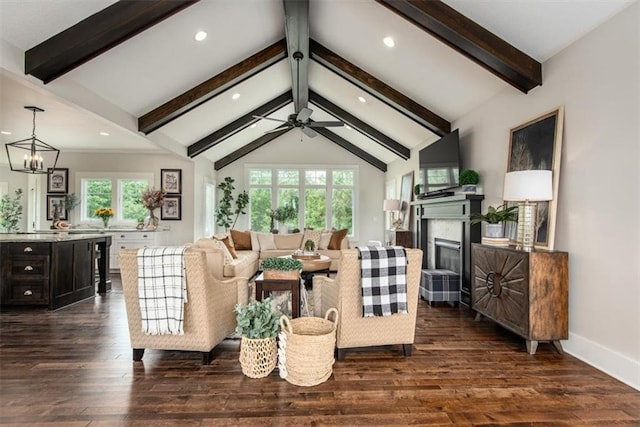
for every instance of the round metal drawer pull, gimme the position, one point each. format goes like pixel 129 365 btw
pixel 28 249
pixel 28 292
pixel 28 268
pixel 494 284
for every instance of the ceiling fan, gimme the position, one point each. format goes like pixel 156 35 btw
pixel 301 119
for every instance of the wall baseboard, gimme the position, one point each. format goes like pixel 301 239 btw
pixel 618 366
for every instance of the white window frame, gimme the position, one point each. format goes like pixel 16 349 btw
pixel 116 179
pixel 302 187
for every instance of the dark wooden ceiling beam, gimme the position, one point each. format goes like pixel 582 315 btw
pixel 202 93
pixel 296 20
pixel 362 127
pixel 356 151
pixel 237 125
pixel 470 39
pixel 385 93
pixel 95 35
pixel 252 146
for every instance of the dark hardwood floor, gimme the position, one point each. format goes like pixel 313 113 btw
pixel 73 367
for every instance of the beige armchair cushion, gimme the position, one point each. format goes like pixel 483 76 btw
pixel 345 293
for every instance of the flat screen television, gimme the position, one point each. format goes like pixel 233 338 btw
pixel 440 166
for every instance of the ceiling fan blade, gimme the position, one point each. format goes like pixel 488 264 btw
pixel 304 114
pixel 279 129
pixel 309 132
pixel 269 118
pixel 325 124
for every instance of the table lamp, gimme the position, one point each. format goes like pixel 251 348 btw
pixel 527 188
pixel 393 205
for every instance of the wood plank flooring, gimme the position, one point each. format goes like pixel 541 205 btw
pixel 73 367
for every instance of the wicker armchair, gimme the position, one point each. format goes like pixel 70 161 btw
pixel 208 316
pixel 345 293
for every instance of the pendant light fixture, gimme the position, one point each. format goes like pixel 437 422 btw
pixel 32 155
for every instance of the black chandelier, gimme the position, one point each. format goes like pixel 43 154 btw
pixel 32 155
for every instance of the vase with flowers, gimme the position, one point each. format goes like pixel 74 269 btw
pixel 152 199
pixel 105 214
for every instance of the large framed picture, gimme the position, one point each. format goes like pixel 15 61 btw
pixel 172 208
pixel 56 208
pixel 171 180
pixel 537 145
pixel 58 180
pixel 406 189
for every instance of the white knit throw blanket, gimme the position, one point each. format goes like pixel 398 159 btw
pixel 162 289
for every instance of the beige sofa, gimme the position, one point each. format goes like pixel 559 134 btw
pixel 264 245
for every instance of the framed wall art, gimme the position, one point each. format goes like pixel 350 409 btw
pixel 171 209
pixel 58 180
pixel 406 189
pixel 171 180
pixel 55 208
pixel 537 145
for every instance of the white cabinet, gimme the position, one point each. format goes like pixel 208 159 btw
pixel 134 240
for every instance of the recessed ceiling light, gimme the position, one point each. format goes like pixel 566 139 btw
pixel 5 132
pixel 104 133
pixel 200 35
pixel 347 127
pixel 235 96
pixel 252 126
pixel 361 99
pixel 388 41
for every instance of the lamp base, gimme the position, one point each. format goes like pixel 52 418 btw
pixel 526 225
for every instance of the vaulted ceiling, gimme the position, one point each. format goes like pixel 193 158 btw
pixel 133 69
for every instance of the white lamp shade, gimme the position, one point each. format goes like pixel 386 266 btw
pixel 531 185
pixel 391 205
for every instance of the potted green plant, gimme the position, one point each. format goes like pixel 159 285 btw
pixel 258 325
pixel 282 214
pixel 309 246
pixel 10 212
pixel 494 219
pixel 281 268
pixel 469 181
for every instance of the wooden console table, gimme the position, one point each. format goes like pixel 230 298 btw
pixel 267 285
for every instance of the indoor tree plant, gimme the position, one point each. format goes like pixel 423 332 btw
pixel 10 211
pixel 494 219
pixel 258 325
pixel 469 180
pixel 225 212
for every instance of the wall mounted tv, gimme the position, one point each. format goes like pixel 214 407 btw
pixel 440 166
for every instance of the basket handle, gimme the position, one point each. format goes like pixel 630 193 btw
pixel 285 324
pixel 335 316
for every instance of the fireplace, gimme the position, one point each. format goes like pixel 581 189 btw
pixel 447 255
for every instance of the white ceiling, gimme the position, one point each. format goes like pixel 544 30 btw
pixel 109 93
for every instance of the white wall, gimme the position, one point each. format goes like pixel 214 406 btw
pixel 181 231
pixel 288 150
pixel 597 81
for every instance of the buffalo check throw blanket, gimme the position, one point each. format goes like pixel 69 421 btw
pixel 384 280
pixel 162 289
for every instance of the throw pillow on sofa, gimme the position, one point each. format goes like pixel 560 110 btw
pixel 336 239
pixel 266 241
pixel 225 251
pixel 241 240
pixel 325 238
pixel 226 241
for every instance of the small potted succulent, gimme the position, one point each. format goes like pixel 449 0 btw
pixel 494 219
pixel 469 181
pixel 281 268
pixel 309 246
pixel 258 325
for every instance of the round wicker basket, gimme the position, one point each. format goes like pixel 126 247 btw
pixel 258 357
pixel 306 348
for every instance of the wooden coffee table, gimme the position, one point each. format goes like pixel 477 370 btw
pixel 267 285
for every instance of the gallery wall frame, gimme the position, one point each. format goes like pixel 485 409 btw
pixel 171 180
pixel 537 145
pixel 54 203
pixel 171 210
pixel 406 190
pixel 58 180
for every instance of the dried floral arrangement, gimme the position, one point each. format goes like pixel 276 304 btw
pixel 152 198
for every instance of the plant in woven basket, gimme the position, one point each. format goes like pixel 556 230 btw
pixel 258 324
pixel 257 320
pixel 281 264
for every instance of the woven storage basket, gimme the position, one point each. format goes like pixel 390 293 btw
pixel 306 348
pixel 258 357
